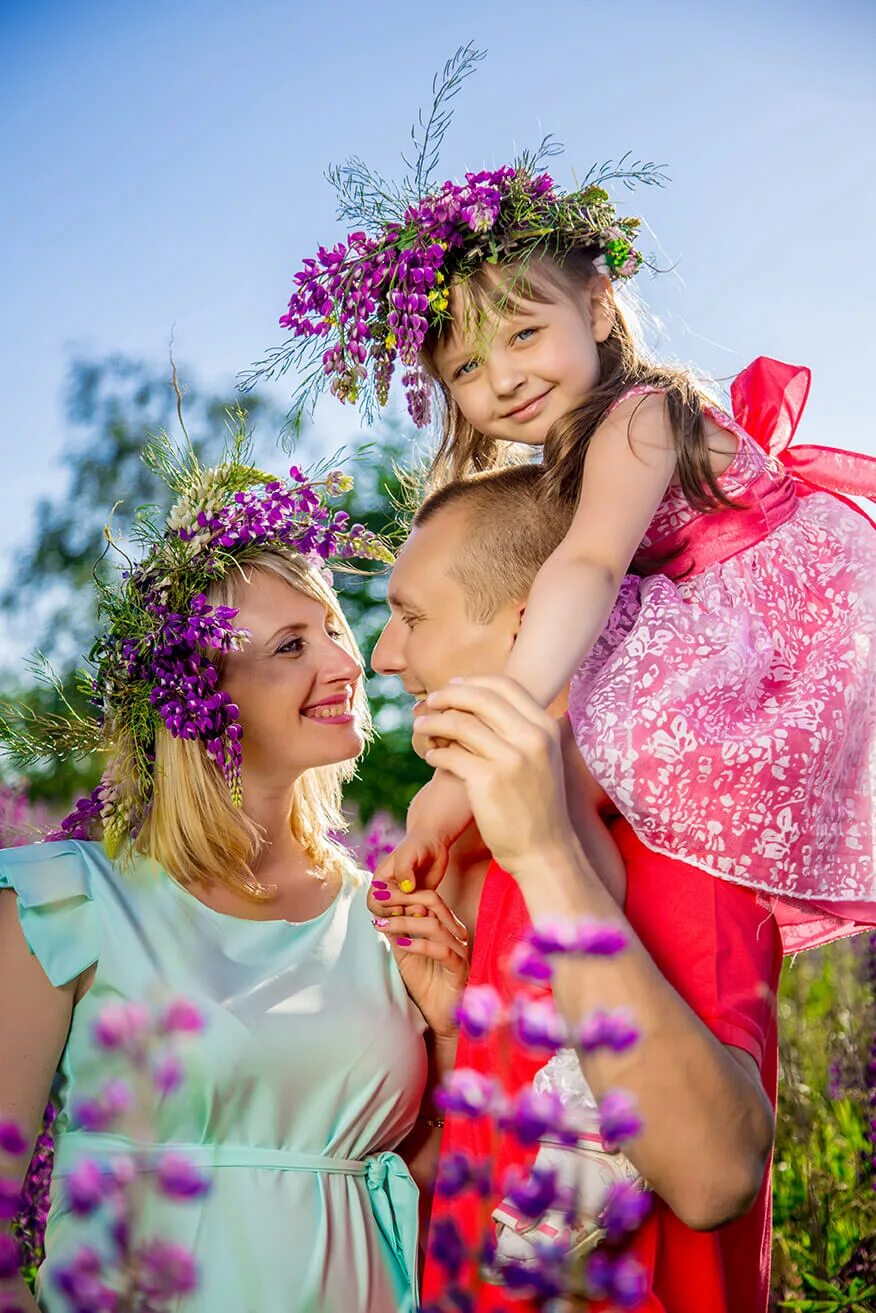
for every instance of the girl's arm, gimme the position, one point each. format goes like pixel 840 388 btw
pixel 34 1023
pixel 630 463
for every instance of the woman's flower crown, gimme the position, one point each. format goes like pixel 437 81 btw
pixel 153 664
pixel 369 301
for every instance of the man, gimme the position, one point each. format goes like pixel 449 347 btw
pixel 701 969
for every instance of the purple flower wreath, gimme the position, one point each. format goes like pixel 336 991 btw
pixel 370 300
pixel 154 664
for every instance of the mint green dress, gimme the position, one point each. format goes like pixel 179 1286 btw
pixel 308 1074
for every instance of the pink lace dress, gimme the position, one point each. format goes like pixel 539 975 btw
pixel 728 707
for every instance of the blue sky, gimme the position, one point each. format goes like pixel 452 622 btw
pixel 163 169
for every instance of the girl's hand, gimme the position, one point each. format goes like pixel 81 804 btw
pixel 429 944
pixel 506 751
pixel 436 818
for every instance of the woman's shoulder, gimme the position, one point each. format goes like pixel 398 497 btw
pixel 56 884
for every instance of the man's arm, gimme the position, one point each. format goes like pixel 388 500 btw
pixel 708 1124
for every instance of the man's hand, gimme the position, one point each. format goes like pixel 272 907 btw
pixel 506 751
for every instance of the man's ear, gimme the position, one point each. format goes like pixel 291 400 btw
pixel 603 308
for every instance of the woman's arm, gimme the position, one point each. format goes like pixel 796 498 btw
pixel 34 1024
pixel 630 463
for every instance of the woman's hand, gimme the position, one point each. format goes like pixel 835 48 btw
pixel 429 944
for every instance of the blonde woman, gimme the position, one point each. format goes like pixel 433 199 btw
pixel 204 868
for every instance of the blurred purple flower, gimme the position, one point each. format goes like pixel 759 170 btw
pixel 533 1194
pixel 10 1198
pixel 480 1011
pixel 167 1074
pixel 167 1269
pixel 86 1187
pixel 626 1207
pixel 527 964
pixel 467 1092
pixel 11 1139
pixel 618 1278
pixel 181 1017
pixel 607 1030
pixel 99 1114
pixel 446 1245
pixel 533 1114
pixel 80 1281
pixel 9 1258
pixel 537 1024
pixel 121 1026
pixel 619 1120
pixel 179 1178
pixel 600 939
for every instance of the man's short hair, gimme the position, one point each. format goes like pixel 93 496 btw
pixel 511 528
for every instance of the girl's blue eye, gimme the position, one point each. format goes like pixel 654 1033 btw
pixel 466 368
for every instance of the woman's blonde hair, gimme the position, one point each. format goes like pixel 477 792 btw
pixel 192 829
pixel 623 363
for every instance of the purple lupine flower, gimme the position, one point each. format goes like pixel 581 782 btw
pixel 166 1269
pixel 533 1194
pixel 619 1120
pixel 86 1187
pixel 527 964
pixel 480 1011
pixel 121 1026
pixel 618 1278
pixel 446 1245
pixel 167 1074
pixel 458 1172
pixel 30 1226
pixel 10 1258
pixel 536 1024
pixel 10 1198
pixel 600 939
pixel 99 1114
pixel 606 1030
pixel 533 1114
pixel 12 1141
pixel 468 1092
pixel 179 1178
pixel 181 1017
pixel 80 1281
pixel 552 935
pixel 625 1209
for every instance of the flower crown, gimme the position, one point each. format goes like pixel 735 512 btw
pixel 371 299
pixel 152 665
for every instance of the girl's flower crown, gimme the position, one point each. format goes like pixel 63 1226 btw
pixel 371 299
pixel 152 665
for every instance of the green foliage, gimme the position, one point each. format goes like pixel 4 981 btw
pixel 824 1206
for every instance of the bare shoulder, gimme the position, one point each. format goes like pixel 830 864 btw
pixel 642 419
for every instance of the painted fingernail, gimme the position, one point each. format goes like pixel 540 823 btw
pixel 379 884
pixel 382 894
pixel 416 911
pixel 407 886
pixel 404 941
pixel 396 911
pixel 380 922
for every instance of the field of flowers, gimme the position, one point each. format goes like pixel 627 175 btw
pixel 824 1251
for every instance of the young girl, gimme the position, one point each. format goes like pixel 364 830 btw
pixel 714 601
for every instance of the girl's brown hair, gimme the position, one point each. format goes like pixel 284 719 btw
pixel 463 451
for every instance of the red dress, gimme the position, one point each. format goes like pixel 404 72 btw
pixel 722 952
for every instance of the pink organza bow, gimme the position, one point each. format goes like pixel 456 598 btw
pixel 768 399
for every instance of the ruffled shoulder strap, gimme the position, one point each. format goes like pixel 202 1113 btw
pixel 54 883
